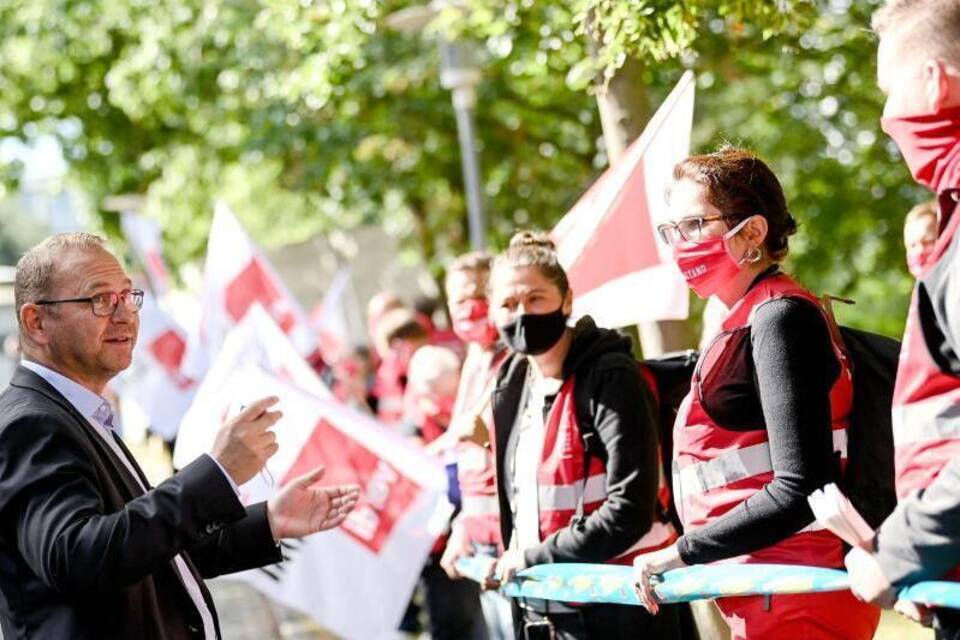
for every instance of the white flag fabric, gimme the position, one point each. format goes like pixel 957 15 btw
pixel 155 381
pixel 620 273
pixel 236 276
pixel 146 239
pixel 332 320
pixel 356 580
pixel 256 342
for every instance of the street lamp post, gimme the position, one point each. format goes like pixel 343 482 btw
pixel 461 79
pixel 459 75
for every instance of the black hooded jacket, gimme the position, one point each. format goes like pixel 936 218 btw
pixel 622 432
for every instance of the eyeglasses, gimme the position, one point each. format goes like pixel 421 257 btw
pixel 687 229
pixel 105 304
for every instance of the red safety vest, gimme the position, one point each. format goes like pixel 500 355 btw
pixel 926 430
pixel 715 469
pixel 563 484
pixel 479 519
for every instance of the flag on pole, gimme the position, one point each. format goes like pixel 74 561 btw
pixel 256 342
pixel 146 240
pixel 618 270
pixel 356 580
pixel 237 275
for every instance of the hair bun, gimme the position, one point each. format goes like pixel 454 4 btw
pixel 790 225
pixel 532 239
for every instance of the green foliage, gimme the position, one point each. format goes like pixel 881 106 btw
pixel 809 105
pixel 648 30
pixel 313 115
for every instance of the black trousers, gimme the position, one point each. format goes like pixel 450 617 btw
pixel 604 622
pixel 453 606
pixel 947 624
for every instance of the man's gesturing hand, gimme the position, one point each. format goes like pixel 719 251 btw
pixel 301 508
pixel 245 443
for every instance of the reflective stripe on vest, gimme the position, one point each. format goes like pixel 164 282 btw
pixel 568 497
pixel 929 420
pixel 734 466
pixel 564 486
pixel 715 469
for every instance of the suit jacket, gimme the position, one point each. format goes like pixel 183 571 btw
pixel 84 551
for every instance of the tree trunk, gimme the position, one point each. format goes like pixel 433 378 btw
pixel 624 111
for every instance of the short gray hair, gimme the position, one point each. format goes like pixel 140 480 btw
pixel 932 26
pixel 38 268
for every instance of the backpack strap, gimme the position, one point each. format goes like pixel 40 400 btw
pixel 826 303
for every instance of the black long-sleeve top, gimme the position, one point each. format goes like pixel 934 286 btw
pixel 786 372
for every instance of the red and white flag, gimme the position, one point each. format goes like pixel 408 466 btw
pixel 146 240
pixel 155 381
pixel 621 274
pixel 256 342
pixel 356 580
pixel 336 320
pixel 236 276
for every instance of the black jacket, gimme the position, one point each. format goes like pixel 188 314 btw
pixel 84 552
pixel 622 432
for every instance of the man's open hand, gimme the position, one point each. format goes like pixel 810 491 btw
pixel 302 507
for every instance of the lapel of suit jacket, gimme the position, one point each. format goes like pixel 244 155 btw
pixel 26 379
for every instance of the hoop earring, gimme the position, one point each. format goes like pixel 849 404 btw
pixel 753 255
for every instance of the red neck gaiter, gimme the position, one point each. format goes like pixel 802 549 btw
pixel 930 145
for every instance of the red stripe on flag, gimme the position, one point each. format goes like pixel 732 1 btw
pixel 623 243
pixel 386 494
pixel 168 349
pixel 255 284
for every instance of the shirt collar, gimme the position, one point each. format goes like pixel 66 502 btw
pixel 88 403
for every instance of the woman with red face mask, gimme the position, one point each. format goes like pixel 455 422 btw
pixel 764 423
pixel 575 442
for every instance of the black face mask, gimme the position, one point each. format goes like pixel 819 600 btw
pixel 534 333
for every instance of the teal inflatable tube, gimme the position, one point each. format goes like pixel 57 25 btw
pixel 598 583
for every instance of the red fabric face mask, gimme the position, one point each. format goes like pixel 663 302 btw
pixel 708 265
pixel 471 322
pixel 930 145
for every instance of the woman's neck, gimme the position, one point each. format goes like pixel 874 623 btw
pixel 550 364
pixel 739 286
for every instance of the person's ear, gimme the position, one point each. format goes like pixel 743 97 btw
pixel 32 323
pixel 568 303
pixel 936 84
pixel 756 230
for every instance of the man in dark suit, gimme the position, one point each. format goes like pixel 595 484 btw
pixel 87 548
